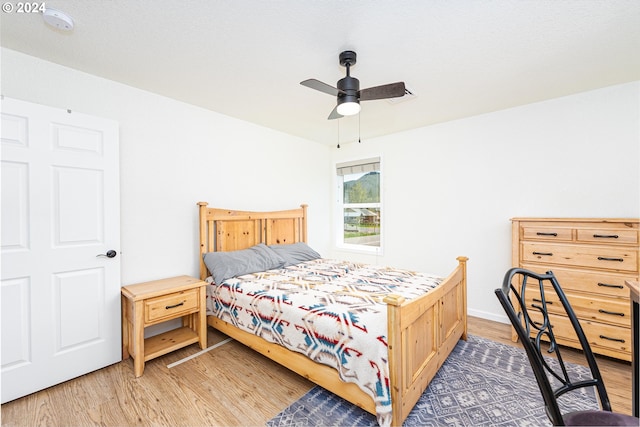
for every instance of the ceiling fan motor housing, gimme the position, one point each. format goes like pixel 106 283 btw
pixel 349 87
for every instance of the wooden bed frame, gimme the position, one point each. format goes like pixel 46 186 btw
pixel 421 332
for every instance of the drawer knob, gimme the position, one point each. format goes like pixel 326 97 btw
pixel 604 258
pixel 615 313
pixel 167 307
pixel 605 236
pixel 604 337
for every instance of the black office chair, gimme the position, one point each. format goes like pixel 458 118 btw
pixel 532 324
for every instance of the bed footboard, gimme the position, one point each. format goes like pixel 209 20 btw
pixel 422 334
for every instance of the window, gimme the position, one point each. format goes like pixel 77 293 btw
pixel 359 205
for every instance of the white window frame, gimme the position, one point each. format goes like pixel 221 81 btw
pixel 340 206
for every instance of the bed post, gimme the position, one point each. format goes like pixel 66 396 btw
pixel 394 346
pixel 462 262
pixel 203 238
pixel 304 222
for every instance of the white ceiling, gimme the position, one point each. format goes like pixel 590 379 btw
pixel 246 58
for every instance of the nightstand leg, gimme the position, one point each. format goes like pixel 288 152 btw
pixel 138 339
pixel 125 327
pixel 201 319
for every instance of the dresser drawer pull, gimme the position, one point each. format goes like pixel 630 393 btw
pixel 539 300
pixel 605 236
pixel 543 253
pixel 541 325
pixel 604 258
pixel 539 233
pixel 615 313
pixel 607 285
pixel 167 307
pixel 612 339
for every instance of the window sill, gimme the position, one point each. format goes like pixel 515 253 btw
pixel 359 249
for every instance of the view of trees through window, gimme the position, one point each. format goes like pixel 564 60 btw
pixel 361 204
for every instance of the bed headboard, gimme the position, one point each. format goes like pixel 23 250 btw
pixel 229 230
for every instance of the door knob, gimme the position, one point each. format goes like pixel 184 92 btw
pixel 110 254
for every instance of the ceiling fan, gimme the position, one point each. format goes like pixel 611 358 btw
pixel 348 91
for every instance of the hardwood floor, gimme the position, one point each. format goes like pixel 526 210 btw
pixel 227 386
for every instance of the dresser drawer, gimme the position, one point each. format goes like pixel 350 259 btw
pixel 607 236
pixel 603 257
pixel 603 310
pixel 614 340
pixel 540 232
pixel 589 282
pixel 171 305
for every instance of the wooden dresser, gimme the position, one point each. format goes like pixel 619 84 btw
pixel 592 259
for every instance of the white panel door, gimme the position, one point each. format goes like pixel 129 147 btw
pixel 60 294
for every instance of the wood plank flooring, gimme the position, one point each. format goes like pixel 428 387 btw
pixel 228 386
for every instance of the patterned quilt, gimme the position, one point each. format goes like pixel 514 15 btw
pixel 329 310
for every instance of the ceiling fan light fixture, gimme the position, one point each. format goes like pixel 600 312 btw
pixel 348 109
pixel 348 105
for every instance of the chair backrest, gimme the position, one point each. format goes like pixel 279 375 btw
pixel 525 297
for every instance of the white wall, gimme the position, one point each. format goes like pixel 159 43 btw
pixel 452 188
pixel 173 155
pixel 449 189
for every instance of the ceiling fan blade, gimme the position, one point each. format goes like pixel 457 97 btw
pixel 391 90
pixel 334 114
pixel 322 87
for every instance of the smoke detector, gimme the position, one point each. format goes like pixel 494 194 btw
pixel 57 19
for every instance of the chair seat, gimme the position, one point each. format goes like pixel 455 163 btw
pixel 599 418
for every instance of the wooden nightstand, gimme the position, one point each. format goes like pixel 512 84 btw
pixel 149 303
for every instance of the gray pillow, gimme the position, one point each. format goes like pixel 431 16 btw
pixel 295 253
pixel 225 265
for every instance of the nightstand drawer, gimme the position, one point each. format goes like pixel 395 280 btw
pixel 170 306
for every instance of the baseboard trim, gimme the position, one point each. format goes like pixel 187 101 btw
pixel 487 315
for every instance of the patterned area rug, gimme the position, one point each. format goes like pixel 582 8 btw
pixel 482 383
